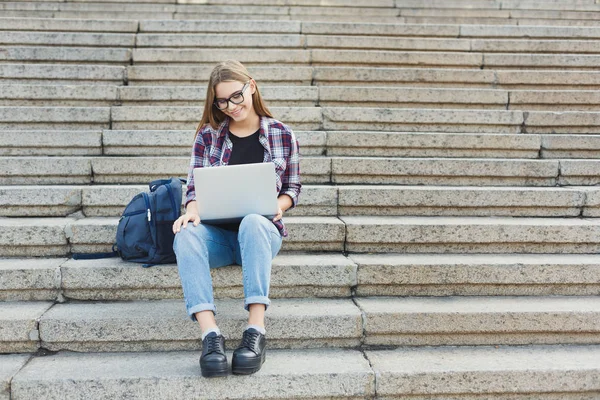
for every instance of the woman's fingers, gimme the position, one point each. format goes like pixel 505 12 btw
pixel 278 216
pixel 183 221
pixel 177 224
pixel 196 220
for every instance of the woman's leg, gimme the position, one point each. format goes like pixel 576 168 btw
pixel 259 242
pixel 199 248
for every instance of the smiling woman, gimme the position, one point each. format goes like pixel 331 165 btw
pixel 236 128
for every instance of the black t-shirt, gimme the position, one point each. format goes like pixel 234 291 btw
pixel 246 150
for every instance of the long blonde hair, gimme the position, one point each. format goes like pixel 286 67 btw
pixel 229 70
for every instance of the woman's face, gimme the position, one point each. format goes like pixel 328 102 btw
pixel 231 90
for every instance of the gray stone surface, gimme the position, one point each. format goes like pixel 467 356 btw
pixel 555 100
pixel 217 27
pixel 200 40
pixel 76 25
pixel 562 122
pixel 19 326
pixel 66 55
pixel 41 201
pixel 287 96
pixel 332 96
pixel 397 144
pixel 145 169
pixel 471 235
pixel 399 58
pixel 58 95
pixel 43 170
pixel 548 32
pixel 325 28
pixel 459 201
pixel 530 46
pixel 71 118
pixel 286 374
pixel 427 120
pixel 27 237
pixel 164 325
pixel 91 235
pixel 61 74
pixel 30 279
pixel 475 274
pixel 548 79
pixel 480 320
pixel 579 172
pixel 362 76
pixel 532 372
pixel 50 143
pixel 190 75
pixel 18 38
pixel 209 56
pixel 442 171
pixel 9 366
pixel 291 276
pixel 389 43
pixel 554 61
pixel 175 118
pixel 570 146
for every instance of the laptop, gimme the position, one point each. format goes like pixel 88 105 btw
pixel 228 193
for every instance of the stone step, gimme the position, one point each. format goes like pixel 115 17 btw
pixel 287 374
pixel 525 372
pixel 110 200
pixel 442 77
pixel 165 326
pixel 68 25
pixel 534 372
pixel 66 39
pixel 64 55
pixel 337 170
pixel 26 237
pixel 60 74
pixel 304 96
pixel 470 235
pixel 318 275
pixel 477 274
pixel 243 26
pixel 299 276
pixel 146 117
pixel 20 326
pixel 434 321
pixel 228 40
pixel 198 75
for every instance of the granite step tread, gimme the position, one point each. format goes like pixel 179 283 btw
pixel 471 235
pixel 287 374
pixel 534 372
pixel 526 372
pixel 297 275
pixel 40 237
pixel 164 325
pixel 325 200
pixel 460 320
pixel 477 274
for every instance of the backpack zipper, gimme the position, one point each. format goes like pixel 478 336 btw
pixel 147 206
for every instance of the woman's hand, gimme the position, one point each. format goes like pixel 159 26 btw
pixel 184 219
pixel 279 215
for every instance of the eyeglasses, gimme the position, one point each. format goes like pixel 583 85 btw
pixel 236 98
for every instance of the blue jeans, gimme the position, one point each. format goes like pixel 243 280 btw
pixel 199 248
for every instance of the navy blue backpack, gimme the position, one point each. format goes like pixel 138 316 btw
pixel 145 231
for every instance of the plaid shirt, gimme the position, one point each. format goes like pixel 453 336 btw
pixel 213 148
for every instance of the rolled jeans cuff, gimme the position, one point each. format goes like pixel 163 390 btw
pixel 201 307
pixel 256 300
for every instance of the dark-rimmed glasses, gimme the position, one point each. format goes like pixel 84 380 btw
pixel 236 98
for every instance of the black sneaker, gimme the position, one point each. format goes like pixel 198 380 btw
pixel 213 361
pixel 251 354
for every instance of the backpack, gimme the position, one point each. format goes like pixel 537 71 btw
pixel 145 230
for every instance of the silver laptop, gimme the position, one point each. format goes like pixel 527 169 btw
pixel 228 193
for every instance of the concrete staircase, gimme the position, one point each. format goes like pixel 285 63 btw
pixel 446 241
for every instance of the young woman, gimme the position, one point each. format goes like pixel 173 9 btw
pixel 236 128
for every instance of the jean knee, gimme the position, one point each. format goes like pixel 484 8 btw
pixel 187 237
pixel 255 221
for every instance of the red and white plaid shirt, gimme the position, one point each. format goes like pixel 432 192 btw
pixel 212 148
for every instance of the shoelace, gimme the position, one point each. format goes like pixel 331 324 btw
pixel 249 340
pixel 213 344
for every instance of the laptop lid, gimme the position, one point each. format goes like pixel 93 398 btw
pixel 229 193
